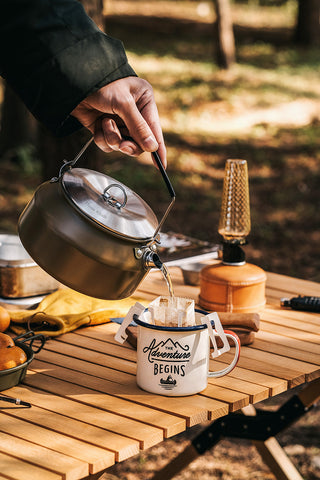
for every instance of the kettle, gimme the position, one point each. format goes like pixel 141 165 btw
pixel 91 232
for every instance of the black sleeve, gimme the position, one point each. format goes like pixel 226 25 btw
pixel 53 55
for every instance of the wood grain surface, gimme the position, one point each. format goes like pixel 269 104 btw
pixel 88 413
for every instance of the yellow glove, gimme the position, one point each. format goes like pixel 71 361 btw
pixel 66 310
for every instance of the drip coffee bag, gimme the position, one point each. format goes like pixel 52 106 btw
pixel 168 311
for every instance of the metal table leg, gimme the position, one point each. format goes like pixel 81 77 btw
pixel 260 428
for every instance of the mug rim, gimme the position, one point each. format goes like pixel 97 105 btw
pixel 173 329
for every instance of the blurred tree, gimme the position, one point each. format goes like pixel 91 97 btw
pixel 94 9
pixel 225 36
pixel 52 151
pixel 19 128
pixel 308 24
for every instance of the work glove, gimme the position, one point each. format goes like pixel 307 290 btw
pixel 65 310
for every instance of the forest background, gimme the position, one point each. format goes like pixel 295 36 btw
pixel 263 108
pixel 262 105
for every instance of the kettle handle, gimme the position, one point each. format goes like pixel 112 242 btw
pixel 170 189
pixel 66 165
pixel 71 163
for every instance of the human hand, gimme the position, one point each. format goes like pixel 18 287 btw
pixel 124 108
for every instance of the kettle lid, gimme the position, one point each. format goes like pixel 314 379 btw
pixel 110 204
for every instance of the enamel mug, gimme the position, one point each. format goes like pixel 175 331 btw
pixel 174 361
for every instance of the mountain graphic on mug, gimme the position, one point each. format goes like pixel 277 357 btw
pixel 168 351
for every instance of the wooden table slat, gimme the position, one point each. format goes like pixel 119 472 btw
pixel 194 409
pixel 236 400
pixel 283 362
pixel 298 324
pixel 93 437
pixel 95 457
pixel 84 365
pixel 281 314
pixel 294 377
pixel 170 424
pixel 115 350
pixel 286 331
pixel 16 469
pixel 116 363
pixel 274 384
pixel 256 392
pixel 290 342
pixel 182 406
pixel 224 395
pixel 145 434
pixel 99 332
pixel 96 372
pixel 82 422
pixel 290 286
pixel 69 468
pixel 286 366
pixel 262 342
pixel 88 412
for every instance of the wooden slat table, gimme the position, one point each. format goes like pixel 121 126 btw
pixel 87 412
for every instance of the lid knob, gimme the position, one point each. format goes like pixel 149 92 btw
pixel 112 200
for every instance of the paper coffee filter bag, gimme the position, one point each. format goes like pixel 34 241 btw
pixel 172 312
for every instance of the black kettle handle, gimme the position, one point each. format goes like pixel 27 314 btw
pixel 161 168
pixel 155 155
pixel 164 174
pixel 170 189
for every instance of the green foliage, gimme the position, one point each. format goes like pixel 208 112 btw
pixel 23 158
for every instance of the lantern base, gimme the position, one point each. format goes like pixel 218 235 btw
pixel 232 288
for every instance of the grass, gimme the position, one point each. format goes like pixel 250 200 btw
pixel 265 109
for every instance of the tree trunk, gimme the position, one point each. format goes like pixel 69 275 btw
pixel 94 9
pixel 308 23
pixel 225 36
pixel 51 150
pixel 18 126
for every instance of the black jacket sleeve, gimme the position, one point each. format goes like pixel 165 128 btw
pixel 53 55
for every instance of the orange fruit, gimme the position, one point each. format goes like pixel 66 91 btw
pixel 5 341
pixel 4 319
pixel 11 356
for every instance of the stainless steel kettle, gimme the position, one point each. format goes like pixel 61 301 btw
pixel 91 232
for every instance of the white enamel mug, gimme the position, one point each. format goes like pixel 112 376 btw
pixel 174 361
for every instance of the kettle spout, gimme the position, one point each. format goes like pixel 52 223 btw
pixel 152 259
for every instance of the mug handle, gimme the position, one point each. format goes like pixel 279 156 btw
pixel 236 340
pixel 224 335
